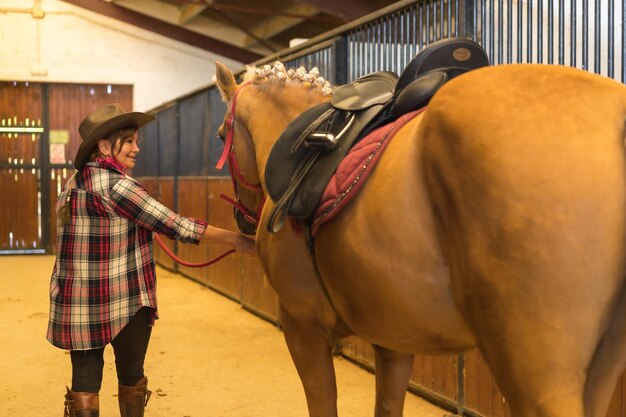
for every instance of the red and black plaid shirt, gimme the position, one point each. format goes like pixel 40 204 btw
pixel 104 270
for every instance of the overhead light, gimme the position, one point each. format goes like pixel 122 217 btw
pixel 297 41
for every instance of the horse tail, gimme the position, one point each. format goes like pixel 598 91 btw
pixel 526 170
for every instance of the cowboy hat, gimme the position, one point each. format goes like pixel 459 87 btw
pixel 101 123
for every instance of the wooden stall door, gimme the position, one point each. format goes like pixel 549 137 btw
pixel 68 105
pixel 21 130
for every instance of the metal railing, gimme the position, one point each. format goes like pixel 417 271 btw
pixel 586 34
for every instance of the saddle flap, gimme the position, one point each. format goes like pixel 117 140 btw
pixel 367 91
pixel 285 156
pixel 453 55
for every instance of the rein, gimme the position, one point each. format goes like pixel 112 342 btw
pixel 235 171
pixel 189 264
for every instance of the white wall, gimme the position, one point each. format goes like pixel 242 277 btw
pixel 71 44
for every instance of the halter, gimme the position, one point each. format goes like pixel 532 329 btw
pixel 235 171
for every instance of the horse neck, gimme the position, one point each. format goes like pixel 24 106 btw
pixel 280 106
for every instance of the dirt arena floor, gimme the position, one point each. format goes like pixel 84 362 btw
pixel 244 368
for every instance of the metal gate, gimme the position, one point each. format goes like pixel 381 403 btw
pixel 586 34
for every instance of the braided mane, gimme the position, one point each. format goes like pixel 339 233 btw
pixel 278 72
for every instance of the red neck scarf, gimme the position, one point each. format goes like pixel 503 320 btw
pixel 110 162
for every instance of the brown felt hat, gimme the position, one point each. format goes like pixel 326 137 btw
pixel 101 123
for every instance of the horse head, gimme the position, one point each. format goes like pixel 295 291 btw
pixel 259 110
pixel 239 151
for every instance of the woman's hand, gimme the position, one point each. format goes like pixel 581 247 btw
pixel 239 242
pixel 245 245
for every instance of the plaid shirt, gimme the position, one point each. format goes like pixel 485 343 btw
pixel 104 270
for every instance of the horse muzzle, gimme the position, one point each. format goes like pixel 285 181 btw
pixel 246 224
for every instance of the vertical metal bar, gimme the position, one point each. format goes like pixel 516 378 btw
pixel 597 66
pixel 355 59
pixel 483 29
pixel 500 31
pixel 341 60
pixel 387 30
pixel 435 21
pixel 462 17
pixel 475 20
pixel 361 59
pixel 414 31
pixel 428 37
pixel 441 20
pixel 585 35
pixel 369 48
pixel 550 32
pixel 562 32
pixel 177 174
pixel 377 36
pixel 392 43
pixel 520 32
pixel 623 42
pixel 352 45
pixel 460 24
pixel 509 31
pixel 421 27
pixel 573 24
pixel 350 56
pixel 411 32
pixel 397 30
pixel 529 33
pixel 450 33
pixel 404 38
pixel 611 40
pixel 381 44
pixel 540 31
pixel 364 63
pixel 491 28
pixel 44 172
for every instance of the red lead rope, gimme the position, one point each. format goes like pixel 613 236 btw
pixel 189 264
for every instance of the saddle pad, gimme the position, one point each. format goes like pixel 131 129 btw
pixel 354 170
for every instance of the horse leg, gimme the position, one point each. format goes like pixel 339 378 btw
pixel 311 352
pixel 393 370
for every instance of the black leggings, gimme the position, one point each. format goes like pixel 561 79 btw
pixel 129 347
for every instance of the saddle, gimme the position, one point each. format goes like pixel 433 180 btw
pixel 307 153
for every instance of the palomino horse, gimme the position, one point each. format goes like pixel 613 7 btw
pixel 496 219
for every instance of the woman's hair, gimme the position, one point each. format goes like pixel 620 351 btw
pixel 114 139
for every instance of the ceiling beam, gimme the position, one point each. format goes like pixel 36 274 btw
pixel 167 29
pixel 272 26
pixel 189 11
pixel 347 10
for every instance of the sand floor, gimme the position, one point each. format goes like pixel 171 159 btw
pixel 244 371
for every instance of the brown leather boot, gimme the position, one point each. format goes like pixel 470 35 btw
pixel 81 404
pixel 133 400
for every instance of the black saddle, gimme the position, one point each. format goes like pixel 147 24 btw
pixel 308 152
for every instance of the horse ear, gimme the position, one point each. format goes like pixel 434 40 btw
pixel 225 81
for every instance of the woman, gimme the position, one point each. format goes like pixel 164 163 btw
pixel 103 284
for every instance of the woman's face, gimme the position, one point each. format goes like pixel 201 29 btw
pixel 126 150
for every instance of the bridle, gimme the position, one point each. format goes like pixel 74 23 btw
pixel 235 172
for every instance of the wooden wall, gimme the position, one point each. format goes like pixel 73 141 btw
pixel 20 107
pixel 29 182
